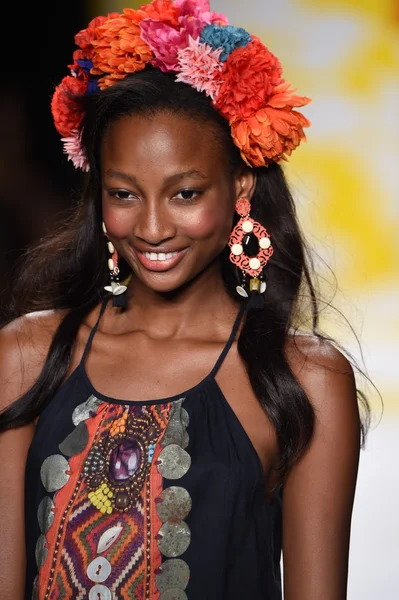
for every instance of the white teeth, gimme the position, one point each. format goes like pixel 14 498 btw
pixel 160 256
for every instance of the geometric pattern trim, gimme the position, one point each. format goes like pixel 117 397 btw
pixel 103 540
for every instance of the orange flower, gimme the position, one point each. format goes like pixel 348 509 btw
pixel 84 38
pixel 160 10
pixel 249 75
pixel 119 49
pixel 66 111
pixel 270 135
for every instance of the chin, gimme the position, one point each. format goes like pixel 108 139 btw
pixel 165 283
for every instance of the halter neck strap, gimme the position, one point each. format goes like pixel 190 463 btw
pixel 94 329
pixel 230 341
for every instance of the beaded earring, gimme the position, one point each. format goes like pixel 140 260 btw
pixel 115 287
pixel 250 251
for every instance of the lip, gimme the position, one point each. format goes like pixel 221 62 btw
pixel 161 265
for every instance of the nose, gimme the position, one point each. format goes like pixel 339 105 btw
pixel 154 224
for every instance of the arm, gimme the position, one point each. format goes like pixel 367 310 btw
pixel 319 490
pixel 13 450
pixel 23 348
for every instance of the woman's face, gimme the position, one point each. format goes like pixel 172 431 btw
pixel 168 196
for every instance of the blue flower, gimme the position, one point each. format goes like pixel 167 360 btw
pixel 85 64
pixel 229 38
pixel 92 86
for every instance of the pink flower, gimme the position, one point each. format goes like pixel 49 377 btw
pixel 165 40
pixel 199 65
pixel 73 148
pixel 200 9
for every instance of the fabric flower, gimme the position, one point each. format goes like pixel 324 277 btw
pixel 165 41
pixel 82 67
pixel 119 49
pixel 161 10
pixel 166 38
pixel 84 38
pixel 236 70
pixel 199 65
pixel 73 148
pixel 66 111
pixel 82 63
pixel 269 136
pixel 200 9
pixel 229 38
pixel 249 76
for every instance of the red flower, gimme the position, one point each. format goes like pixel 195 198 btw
pixel 77 55
pixel 250 73
pixel 65 109
pixel 259 105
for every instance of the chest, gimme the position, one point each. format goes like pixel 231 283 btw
pixel 153 370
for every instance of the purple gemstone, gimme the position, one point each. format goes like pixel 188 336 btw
pixel 125 460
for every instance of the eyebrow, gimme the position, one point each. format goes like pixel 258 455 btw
pixel 175 178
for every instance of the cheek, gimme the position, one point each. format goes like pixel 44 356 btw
pixel 117 222
pixel 208 223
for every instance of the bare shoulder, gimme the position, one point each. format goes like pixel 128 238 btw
pixel 24 344
pixel 322 370
pixel 307 350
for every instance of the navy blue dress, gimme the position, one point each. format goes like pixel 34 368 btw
pixel 150 500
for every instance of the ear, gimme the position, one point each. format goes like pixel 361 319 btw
pixel 245 183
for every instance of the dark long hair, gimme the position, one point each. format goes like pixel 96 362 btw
pixel 68 269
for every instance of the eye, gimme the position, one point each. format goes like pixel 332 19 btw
pixel 122 195
pixel 188 195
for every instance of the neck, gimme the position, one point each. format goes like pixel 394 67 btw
pixel 203 300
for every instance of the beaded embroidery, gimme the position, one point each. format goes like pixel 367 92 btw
pixel 111 519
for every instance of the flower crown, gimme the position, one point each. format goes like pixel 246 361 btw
pixel 235 69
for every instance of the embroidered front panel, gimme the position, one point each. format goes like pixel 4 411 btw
pixel 102 530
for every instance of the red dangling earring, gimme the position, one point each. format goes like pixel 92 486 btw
pixel 250 250
pixel 116 288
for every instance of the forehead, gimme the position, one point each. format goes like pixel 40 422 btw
pixel 165 141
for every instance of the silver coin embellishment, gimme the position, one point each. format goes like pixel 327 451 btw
pixel 76 441
pixel 174 503
pixel 53 472
pixel 185 419
pixel 174 573
pixel 45 515
pixel 41 551
pixel 35 588
pixel 176 429
pixel 174 539
pixel 173 462
pixel 85 410
pixel 173 434
pixel 173 594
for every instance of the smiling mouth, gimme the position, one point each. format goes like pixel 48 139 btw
pixel 160 261
pixel 160 256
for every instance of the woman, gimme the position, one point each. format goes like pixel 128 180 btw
pixel 172 433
